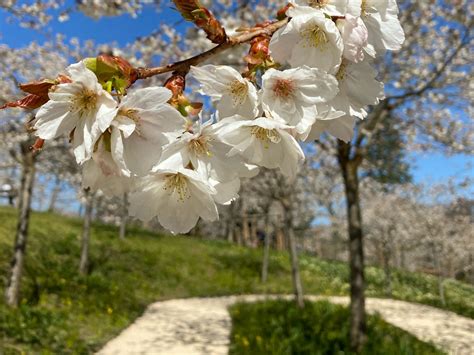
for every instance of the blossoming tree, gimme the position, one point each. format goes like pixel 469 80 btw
pixel 422 228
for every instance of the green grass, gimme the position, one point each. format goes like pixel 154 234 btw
pixel 62 312
pixel 279 327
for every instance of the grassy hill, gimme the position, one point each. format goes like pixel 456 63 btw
pixel 61 310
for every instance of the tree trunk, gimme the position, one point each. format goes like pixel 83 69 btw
pixel 238 234
pixel 54 195
pixel 280 239
pixel 11 200
pixel 27 181
pixel 318 248
pixel 230 230
pixel 124 217
pixel 386 268
pixel 442 295
pixel 86 229
pixel 230 223
pixel 439 271
pixel 470 270
pixel 295 270
pixel 266 251
pixel 253 232
pixel 402 257
pixel 245 230
pixel 349 170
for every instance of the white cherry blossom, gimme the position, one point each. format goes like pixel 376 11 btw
pixel 177 197
pixel 81 106
pixel 310 38
pixel 330 7
pixel 144 123
pixel 233 94
pixel 101 172
pixel 263 142
pixel 355 37
pixel 226 192
pixel 354 7
pixel 206 153
pixel 381 19
pixel 358 88
pixel 291 95
pixel 337 125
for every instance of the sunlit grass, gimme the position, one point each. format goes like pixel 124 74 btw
pixel 279 327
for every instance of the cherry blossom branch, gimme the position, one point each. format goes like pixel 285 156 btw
pixel 184 65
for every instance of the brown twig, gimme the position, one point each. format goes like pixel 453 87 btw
pixel 184 65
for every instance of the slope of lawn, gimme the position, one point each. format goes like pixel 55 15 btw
pixel 280 327
pixel 62 312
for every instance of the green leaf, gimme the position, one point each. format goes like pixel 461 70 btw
pixel 91 64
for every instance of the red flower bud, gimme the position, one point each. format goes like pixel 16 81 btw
pixel 281 14
pixel 38 145
pixel 176 83
pixel 193 11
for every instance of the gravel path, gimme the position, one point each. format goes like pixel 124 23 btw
pixel 202 326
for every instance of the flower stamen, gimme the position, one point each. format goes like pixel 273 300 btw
pixel 266 136
pixel 200 146
pixel 130 113
pixel 84 102
pixel 314 37
pixel 238 91
pixel 364 8
pixel 341 74
pixel 318 3
pixel 177 183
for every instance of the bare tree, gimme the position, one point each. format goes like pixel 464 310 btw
pixel 295 269
pixel 266 247
pixel 54 194
pixel 86 231
pixel 27 160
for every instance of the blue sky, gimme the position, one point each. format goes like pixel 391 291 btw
pixel 124 29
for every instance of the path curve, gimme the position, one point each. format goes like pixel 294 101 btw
pixel 202 326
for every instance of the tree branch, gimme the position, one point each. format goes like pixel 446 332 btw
pixel 430 84
pixel 184 65
pixel 371 122
pixel 368 126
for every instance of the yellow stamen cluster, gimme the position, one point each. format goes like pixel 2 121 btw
pixel 318 3
pixel 267 136
pixel 134 116
pixel 200 146
pixel 238 90
pixel 341 74
pixel 130 113
pixel 84 102
pixel 314 37
pixel 177 183
pixel 364 8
